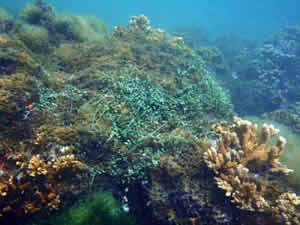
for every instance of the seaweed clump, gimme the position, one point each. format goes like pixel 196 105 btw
pixel 62 27
pixel 7 22
pixel 35 38
pixel 98 208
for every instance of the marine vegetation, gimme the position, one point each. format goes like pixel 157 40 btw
pixel 35 38
pixel 7 22
pixel 97 209
pixel 62 26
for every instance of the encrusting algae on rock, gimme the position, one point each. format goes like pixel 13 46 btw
pixel 242 159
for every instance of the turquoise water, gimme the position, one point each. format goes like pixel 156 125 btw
pixel 250 18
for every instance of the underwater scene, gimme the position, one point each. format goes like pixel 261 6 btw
pixel 149 112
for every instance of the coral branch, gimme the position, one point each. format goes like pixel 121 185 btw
pixel 241 158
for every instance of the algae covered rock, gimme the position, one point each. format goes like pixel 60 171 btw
pixel 15 57
pixel 18 88
pixel 16 93
pixel 29 172
pixel 99 208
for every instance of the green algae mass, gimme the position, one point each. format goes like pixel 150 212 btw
pixel 64 26
pixel 35 38
pixel 100 208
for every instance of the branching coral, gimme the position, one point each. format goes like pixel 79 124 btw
pixel 245 192
pixel 37 166
pixel 29 181
pixel 140 23
pixel 286 207
pixel 67 162
pixel 243 155
pixel 252 147
pixel 139 28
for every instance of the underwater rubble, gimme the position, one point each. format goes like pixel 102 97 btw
pixel 134 112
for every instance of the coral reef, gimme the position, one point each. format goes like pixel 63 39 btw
pixel 18 89
pixel 139 29
pixel 15 58
pixel 266 74
pixel 130 112
pixel 287 123
pixel 75 104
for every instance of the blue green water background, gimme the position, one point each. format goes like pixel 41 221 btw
pixel 258 19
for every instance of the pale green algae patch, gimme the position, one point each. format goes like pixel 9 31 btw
pixel 100 208
pixel 291 154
